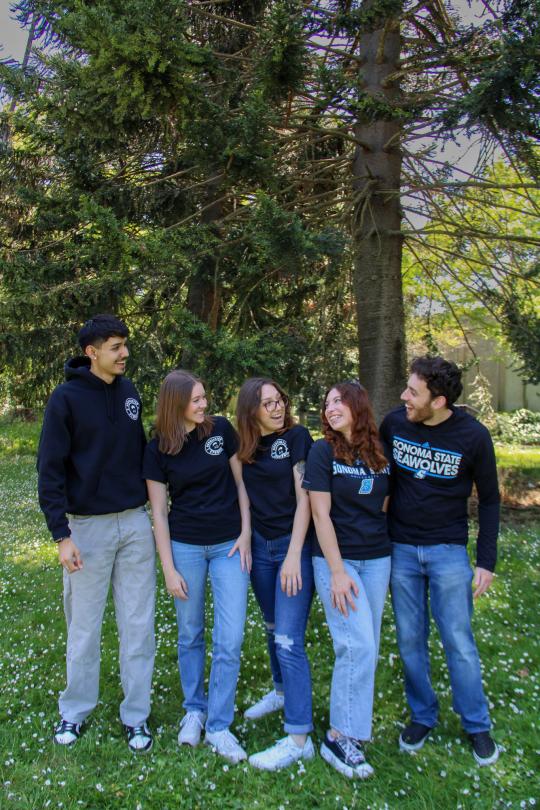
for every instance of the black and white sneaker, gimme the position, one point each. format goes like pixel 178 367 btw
pixel 346 756
pixel 413 736
pixel 485 749
pixel 139 738
pixel 66 733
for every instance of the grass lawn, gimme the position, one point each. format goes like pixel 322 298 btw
pixel 99 772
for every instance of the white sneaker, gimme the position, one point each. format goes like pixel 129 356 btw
pixel 66 733
pixel 271 702
pixel 282 754
pixel 191 726
pixel 226 745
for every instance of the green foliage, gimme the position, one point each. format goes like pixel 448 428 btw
pixel 519 427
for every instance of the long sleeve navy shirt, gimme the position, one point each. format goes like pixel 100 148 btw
pixel 434 468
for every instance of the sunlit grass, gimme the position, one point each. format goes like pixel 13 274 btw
pixel 100 773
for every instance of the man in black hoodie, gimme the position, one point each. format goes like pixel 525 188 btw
pixel 93 497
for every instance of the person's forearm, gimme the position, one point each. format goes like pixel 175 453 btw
pixel 302 517
pixel 245 513
pixel 326 536
pixel 163 543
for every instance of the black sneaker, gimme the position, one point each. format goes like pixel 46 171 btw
pixel 66 733
pixel 485 750
pixel 346 756
pixel 413 736
pixel 139 738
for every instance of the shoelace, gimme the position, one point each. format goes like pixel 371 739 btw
pixel 230 743
pixel 138 731
pixel 191 719
pixel 65 726
pixel 351 751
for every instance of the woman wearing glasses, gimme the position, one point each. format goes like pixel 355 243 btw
pixel 347 477
pixel 204 536
pixel 273 450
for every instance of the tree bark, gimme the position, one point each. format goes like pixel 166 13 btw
pixel 377 242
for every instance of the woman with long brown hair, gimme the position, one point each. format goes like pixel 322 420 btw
pixel 347 476
pixel 206 534
pixel 273 450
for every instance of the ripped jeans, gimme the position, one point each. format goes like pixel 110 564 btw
pixel 286 619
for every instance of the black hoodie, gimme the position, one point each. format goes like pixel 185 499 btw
pixel 91 447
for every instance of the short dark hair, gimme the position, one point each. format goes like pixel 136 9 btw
pixel 442 377
pixel 99 329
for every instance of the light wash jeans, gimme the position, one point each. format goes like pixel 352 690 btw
pixel 286 620
pixel 356 643
pixel 444 572
pixel 229 589
pixel 116 549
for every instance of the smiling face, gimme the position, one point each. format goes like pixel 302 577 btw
pixel 108 360
pixel 195 411
pixel 338 413
pixel 420 405
pixel 271 411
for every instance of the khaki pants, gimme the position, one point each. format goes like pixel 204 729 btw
pixel 116 549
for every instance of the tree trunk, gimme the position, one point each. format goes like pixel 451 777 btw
pixel 377 242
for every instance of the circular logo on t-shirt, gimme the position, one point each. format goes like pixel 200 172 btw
pixel 132 408
pixel 280 449
pixel 214 445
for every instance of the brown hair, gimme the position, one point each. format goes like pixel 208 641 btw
pixel 365 443
pixel 173 400
pixel 247 424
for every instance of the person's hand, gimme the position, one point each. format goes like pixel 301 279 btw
pixel 176 584
pixel 290 575
pixel 69 555
pixel 482 581
pixel 243 546
pixel 343 590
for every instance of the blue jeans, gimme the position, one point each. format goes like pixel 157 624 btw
pixel 229 589
pixel 443 572
pixel 286 619
pixel 356 643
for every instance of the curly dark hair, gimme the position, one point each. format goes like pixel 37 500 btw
pixel 442 377
pixel 365 443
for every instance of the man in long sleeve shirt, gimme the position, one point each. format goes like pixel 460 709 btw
pixel 439 452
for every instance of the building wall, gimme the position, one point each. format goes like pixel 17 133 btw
pixel 508 391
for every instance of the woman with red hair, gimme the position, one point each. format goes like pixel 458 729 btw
pixel 347 476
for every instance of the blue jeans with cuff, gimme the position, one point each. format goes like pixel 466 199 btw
pixel 440 575
pixel 229 589
pixel 356 642
pixel 286 620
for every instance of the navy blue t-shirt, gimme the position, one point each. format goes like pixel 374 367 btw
pixel 204 499
pixel 358 496
pixel 433 470
pixel 269 480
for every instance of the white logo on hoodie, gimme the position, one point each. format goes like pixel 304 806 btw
pixel 132 408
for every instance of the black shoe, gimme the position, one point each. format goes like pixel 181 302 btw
pixel 413 736
pixel 346 756
pixel 139 738
pixel 66 733
pixel 485 750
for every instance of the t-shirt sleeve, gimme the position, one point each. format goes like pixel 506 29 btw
pixel 230 437
pixel 300 444
pixel 318 476
pixel 153 463
pixel 485 478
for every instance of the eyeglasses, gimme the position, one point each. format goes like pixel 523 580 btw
pixel 271 404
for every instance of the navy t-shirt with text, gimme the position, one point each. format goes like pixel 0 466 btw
pixel 357 495
pixel 204 506
pixel 433 471
pixel 269 480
